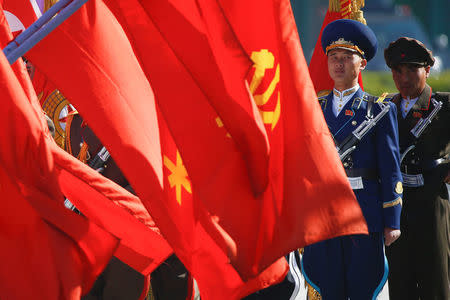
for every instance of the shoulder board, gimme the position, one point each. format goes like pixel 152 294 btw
pixel 383 98
pixel 323 102
pixel 369 98
pixel 391 95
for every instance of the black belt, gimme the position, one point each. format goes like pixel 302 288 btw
pixel 370 174
pixel 424 166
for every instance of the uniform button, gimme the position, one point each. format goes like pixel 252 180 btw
pixel 353 123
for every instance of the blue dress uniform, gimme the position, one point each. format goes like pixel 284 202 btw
pixel 355 266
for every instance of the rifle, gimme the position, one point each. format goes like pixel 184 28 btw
pixel 349 144
pixel 99 160
pixel 97 163
pixel 420 127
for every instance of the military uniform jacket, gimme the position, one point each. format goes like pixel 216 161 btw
pixel 432 145
pixel 377 153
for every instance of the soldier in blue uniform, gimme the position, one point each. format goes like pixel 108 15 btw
pixel 355 267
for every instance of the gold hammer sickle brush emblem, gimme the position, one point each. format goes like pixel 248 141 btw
pixel 264 60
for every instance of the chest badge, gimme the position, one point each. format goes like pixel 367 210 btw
pixel 348 112
pixel 417 114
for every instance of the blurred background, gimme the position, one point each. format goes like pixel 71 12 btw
pixel 427 21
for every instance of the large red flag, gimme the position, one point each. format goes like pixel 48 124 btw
pixel 270 220
pixel 318 67
pixel 41 240
pixel 144 249
pixel 312 199
pixel 100 69
pixel 212 159
pixel 251 231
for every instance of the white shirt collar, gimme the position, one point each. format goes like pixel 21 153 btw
pixel 340 99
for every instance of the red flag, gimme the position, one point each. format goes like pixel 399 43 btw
pixel 215 166
pixel 20 14
pixel 312 199
pixel 123 122
pixel 318 67
pixel 215 184
pixel 40 238
pixel 221 74
pixel 109 104
pixel 144 249
pixel 214 262
pixel 227 220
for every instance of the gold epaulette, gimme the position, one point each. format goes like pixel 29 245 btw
pixel 323 93
pixel 382 98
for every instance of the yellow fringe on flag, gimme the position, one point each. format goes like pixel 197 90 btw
pixel 350 9
pixel 48 4
pixel 334 5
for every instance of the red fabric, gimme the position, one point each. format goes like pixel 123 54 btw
pixel 203 256
pixel 311 198
pixel 217 171
pixel 213 162
pixel 115 209
pixel 42 86
pixel 40 238
pixel 145 248
pixel 206 34
pixel 307 197
pixel 21 9
pixel 318 67
pixel 109 104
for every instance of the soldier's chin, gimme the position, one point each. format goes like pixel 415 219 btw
pixel 407 92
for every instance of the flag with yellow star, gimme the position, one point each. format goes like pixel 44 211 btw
pixel 246 211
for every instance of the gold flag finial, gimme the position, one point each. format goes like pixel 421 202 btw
pixel 349 9
pixel 357 13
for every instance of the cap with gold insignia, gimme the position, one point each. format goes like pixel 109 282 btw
pixel 350 35
pixel 407 50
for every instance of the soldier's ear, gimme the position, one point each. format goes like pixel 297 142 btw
pixel 427 71
pixel 363 64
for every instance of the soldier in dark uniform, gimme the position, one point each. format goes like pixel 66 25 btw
pixel 419 261
pixel 354 266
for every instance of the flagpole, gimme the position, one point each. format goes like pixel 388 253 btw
pixel 41 28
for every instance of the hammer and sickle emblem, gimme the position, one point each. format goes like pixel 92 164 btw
pixel 264 60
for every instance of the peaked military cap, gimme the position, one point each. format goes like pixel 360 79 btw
pixel 351 35
pixel 407 50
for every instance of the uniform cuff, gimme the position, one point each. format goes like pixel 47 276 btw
pixel 391 213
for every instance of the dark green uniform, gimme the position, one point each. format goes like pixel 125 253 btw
pixel 419 260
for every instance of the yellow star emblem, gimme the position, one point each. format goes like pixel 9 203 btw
pixel 220 125
pixel 178 176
